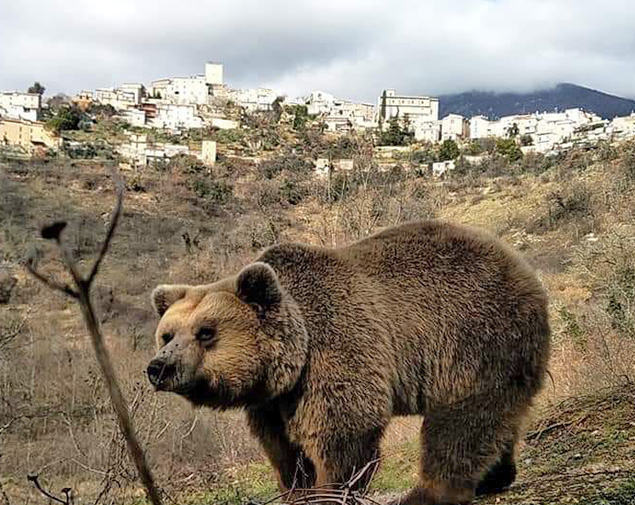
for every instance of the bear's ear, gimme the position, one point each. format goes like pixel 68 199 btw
pixel 257 285
pixel 165 295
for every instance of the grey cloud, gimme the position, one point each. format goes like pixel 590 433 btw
pixel 352 48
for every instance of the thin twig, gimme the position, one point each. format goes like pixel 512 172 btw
pixel 36 482
pixel 51 283
pixel 114 220
pixel 3 494
pixel 82 294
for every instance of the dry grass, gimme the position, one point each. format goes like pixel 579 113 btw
pixel 54 415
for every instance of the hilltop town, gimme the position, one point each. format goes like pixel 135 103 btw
pixel 152 122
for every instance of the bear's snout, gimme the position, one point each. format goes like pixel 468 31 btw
pixel 159 371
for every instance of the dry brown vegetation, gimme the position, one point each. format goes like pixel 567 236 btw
pixel 572 216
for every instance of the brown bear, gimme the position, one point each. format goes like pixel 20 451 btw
pixel 322 347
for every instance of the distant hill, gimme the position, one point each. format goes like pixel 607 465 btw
pixel 563 96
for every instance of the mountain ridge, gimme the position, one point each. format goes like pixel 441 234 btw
pixel 561 97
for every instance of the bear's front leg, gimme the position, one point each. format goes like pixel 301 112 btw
pixel 342 459
pixel 293 469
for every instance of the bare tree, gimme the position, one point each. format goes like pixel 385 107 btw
pixel 80 292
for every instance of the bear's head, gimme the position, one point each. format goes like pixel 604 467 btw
pixel 238 342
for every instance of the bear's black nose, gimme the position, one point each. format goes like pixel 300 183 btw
pixel 158 371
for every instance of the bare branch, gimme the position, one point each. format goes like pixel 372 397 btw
pixel 51 283
pixel 36 482
pixel 114 220
pixel 82 294
pixel 7 425
pixel 3 495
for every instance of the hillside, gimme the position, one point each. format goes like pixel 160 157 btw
pixel 576 452
pixel 563 96
pixel 570 215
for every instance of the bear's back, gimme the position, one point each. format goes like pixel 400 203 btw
pixel 418 290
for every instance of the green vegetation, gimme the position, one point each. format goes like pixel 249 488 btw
pixel 66 118
pixel 398 133
pixel 300 117
pixel 526 140
pixel 36 88
pixel 509 148
pixel 449 150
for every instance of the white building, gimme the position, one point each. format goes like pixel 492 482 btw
pixel 175 117
pixel 135 117
pixel 322 167
pixel 417 108
pixel 426 131
pixel 17 105
pixel 252 100
pixel 208 152
pixel 552 130
pixel 214 73
pixel 119 98
pixel 136 89
pixel 623 127
pixel 158 89
pixel 338 124
pixel 135 150
pixel 319 102
pixel 181 90
pixel 454 127
pixel 345 116
pixel 138 153
pixel 480 127
pixel 295 100
pixel 559 127
pixel 523 124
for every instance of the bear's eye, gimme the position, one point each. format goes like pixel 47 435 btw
pixel 206 334
pixel 167 337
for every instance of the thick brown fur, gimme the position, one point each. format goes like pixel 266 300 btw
pixel 323 346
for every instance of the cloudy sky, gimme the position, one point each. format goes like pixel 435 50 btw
pixel 352 48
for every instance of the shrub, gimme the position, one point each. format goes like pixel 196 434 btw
pixel 572 203
pixel 620 305
pixel 228 136
pixel 526 140
pixel 288 163
pixel 474 148
pixel 509 149
pixel 627 163
pixel 397 134
pixel 187 164
pixel 535 163
pixel 216 191
pixel 449 150
pixel 292 191
pixel 300 117
pixel 67 118
pixel 422 156
pixel 7 284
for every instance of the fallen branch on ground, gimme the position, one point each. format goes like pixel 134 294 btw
pixel 341 494
pixel 81 293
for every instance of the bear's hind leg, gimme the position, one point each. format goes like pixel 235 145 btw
pixel 459 444
pixel 500 476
